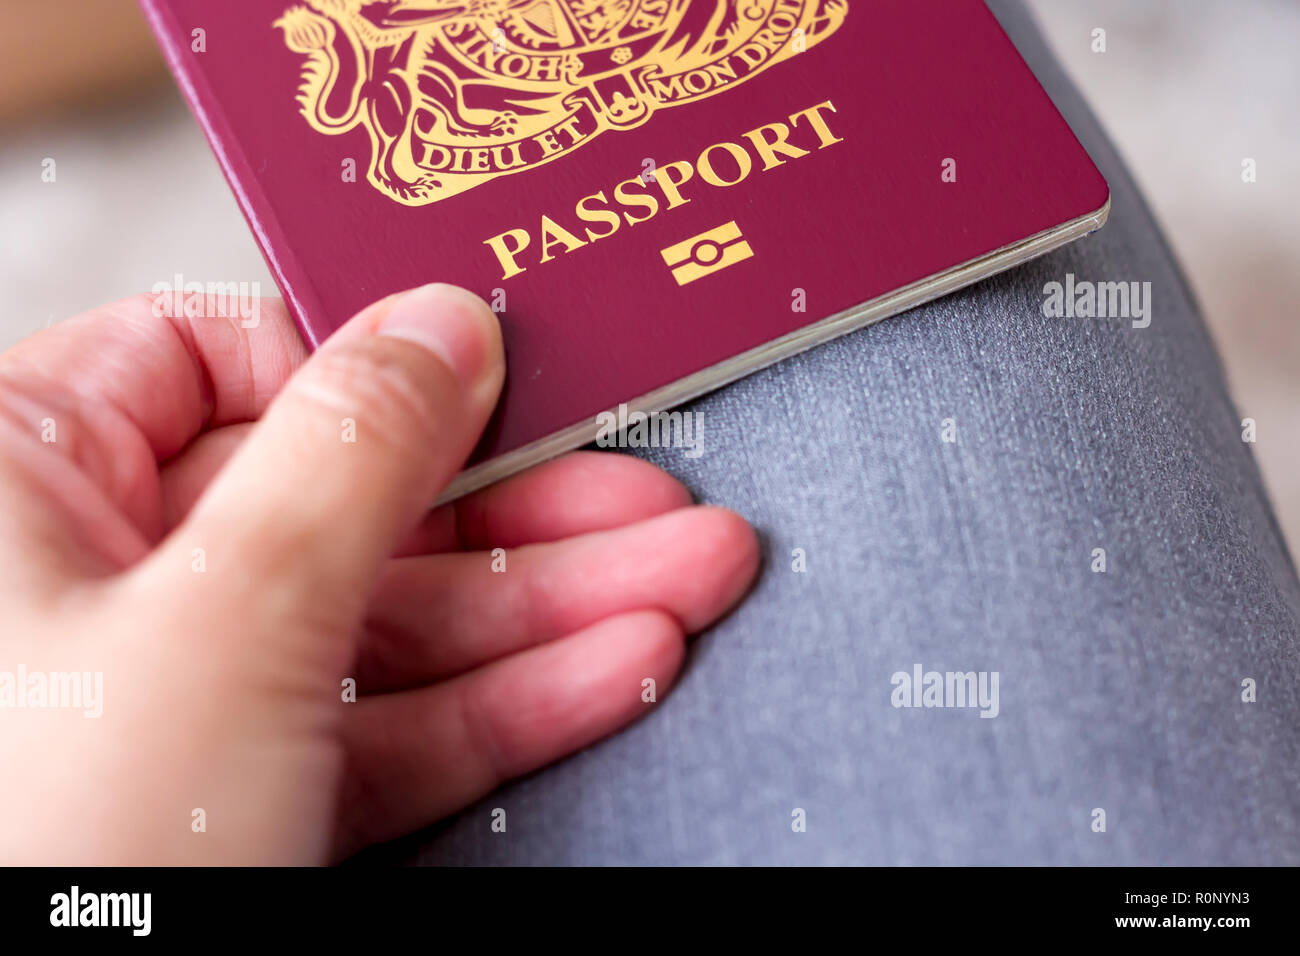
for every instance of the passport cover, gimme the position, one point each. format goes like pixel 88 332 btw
pixel 656 196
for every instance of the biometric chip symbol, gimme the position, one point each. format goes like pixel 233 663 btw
pixel 707 253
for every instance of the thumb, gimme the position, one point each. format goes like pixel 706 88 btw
pixel 351 452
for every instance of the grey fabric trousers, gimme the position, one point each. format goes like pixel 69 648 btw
pixel 1118 691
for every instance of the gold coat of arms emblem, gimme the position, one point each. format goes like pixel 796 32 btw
pixel 454 93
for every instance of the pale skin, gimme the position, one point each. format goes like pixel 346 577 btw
pixel 199 531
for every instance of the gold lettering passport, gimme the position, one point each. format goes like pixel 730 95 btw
pixel 657 196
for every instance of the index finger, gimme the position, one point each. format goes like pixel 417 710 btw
pixel 168 370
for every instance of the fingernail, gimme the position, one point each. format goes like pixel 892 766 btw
pixel 453 323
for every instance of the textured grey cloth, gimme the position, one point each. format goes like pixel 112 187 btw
pixel 1119 691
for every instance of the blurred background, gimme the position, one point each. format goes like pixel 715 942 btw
pixel 1186 88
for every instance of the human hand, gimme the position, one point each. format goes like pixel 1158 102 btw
pixel 183 515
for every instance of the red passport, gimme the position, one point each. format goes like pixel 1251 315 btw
pixel 656 196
